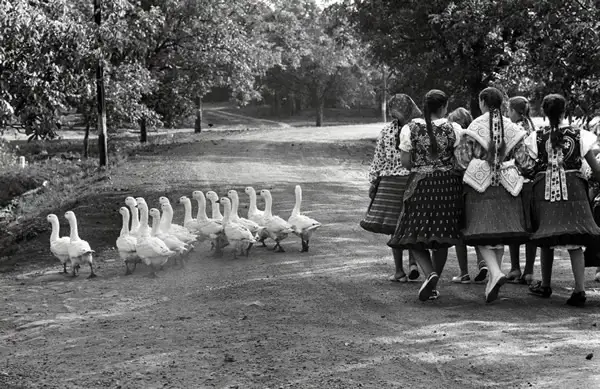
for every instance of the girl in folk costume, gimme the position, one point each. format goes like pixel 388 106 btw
pixel 518 112
pixel 463 118
pixel 592 252
pixel 432 202
pixel 562 215
pixel 491 153
pixel 388 179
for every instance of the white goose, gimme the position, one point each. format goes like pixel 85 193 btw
pixel 153 251
pixel 255 229
pixel 59 246
pixel 79 249
pixel 135 216
pixel 277 228
pixel 166 224
pixel 254 214
pixel 172 242
pixel 126 243
pixel 303 225
pixel 214 200
pixel 188 221
pixel 235 232
pixel 209 228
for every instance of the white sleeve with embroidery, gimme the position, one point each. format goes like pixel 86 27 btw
pixel 405 141
pixel 458 133
pixel 586 141
pixel 378 158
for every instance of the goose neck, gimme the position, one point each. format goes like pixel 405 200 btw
pixel 187 206
pixel 252 207
pixel 296 209
pixel 55 228
pixel 74 235
pixel 227 211
pixel 201 216
pixel 125 228
pixel 135 217
pixel 268 204
pixel 155 224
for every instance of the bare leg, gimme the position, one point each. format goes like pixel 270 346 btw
pixel 423 258
pixel 578 267
pixel 515 266
pixel 399 270
pixel 493 260
pixel 546 262
pixel 439 259
pixel 461 255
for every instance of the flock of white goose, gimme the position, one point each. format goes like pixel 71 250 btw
pixel 155 244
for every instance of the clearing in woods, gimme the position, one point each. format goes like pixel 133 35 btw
pixel 328 318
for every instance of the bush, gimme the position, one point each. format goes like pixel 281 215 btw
pixel 7 156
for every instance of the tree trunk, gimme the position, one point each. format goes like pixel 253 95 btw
pixel 384 95
pixel 198 123
pixel 276 104
pixel 102 137
pixel 292 102
pixel 143 131
pixel 86 139
pixel 320 108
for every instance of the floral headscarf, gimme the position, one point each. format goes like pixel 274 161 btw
pixel 402 108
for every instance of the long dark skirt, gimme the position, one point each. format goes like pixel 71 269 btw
pixel 494 217
pixel 565 222
pixel 432 212
pixel 384 210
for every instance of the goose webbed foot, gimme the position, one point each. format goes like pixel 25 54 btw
pixel 304 246
pixel 127 270
pixel 247 251
pixel 92 274
pixel 263 242
pixel 152 273
pixel 278 248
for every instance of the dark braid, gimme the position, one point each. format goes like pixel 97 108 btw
pixel 435 100
pixel 554 106
pixel 492 98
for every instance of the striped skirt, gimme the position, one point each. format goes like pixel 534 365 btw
pixel 384 210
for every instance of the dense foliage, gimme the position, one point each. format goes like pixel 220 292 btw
pixel 161 57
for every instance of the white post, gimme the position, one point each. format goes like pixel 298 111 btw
pixel 22 162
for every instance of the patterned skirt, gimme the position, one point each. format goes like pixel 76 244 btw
pixel 494 217
pixel 565 222
pixel 384 210
pixel 432 212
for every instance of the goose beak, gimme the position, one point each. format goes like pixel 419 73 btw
pixel 218 201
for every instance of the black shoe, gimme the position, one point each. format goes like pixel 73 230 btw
pixel 480 277
pixel 538 290
pixel 577 299
pixel 414 273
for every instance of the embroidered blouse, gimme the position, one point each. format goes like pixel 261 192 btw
pixel 386 160
pixel 472 155
pixel 415 140
pixel 575 144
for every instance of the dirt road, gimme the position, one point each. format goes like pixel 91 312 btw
pixel 324 319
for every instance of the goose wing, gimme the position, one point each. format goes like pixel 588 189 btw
pixel 126 243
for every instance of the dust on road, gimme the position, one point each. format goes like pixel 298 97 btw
pixel 324 319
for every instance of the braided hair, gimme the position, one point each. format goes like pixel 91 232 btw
pixel 520 105
pixel 402 109
pixel 492 98
pixel 435 100
pixel 554 106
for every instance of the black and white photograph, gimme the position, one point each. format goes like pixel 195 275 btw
pixel 319 194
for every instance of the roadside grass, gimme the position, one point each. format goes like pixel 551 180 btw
pixel 56 177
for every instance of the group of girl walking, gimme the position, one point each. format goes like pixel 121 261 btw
pixel 441 180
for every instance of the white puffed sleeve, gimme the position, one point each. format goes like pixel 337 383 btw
pixel 586 141
pixel 405 141
pixel 458 132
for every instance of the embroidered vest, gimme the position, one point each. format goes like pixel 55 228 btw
pixel 481 174
pixel 421 157
pixel 554 161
